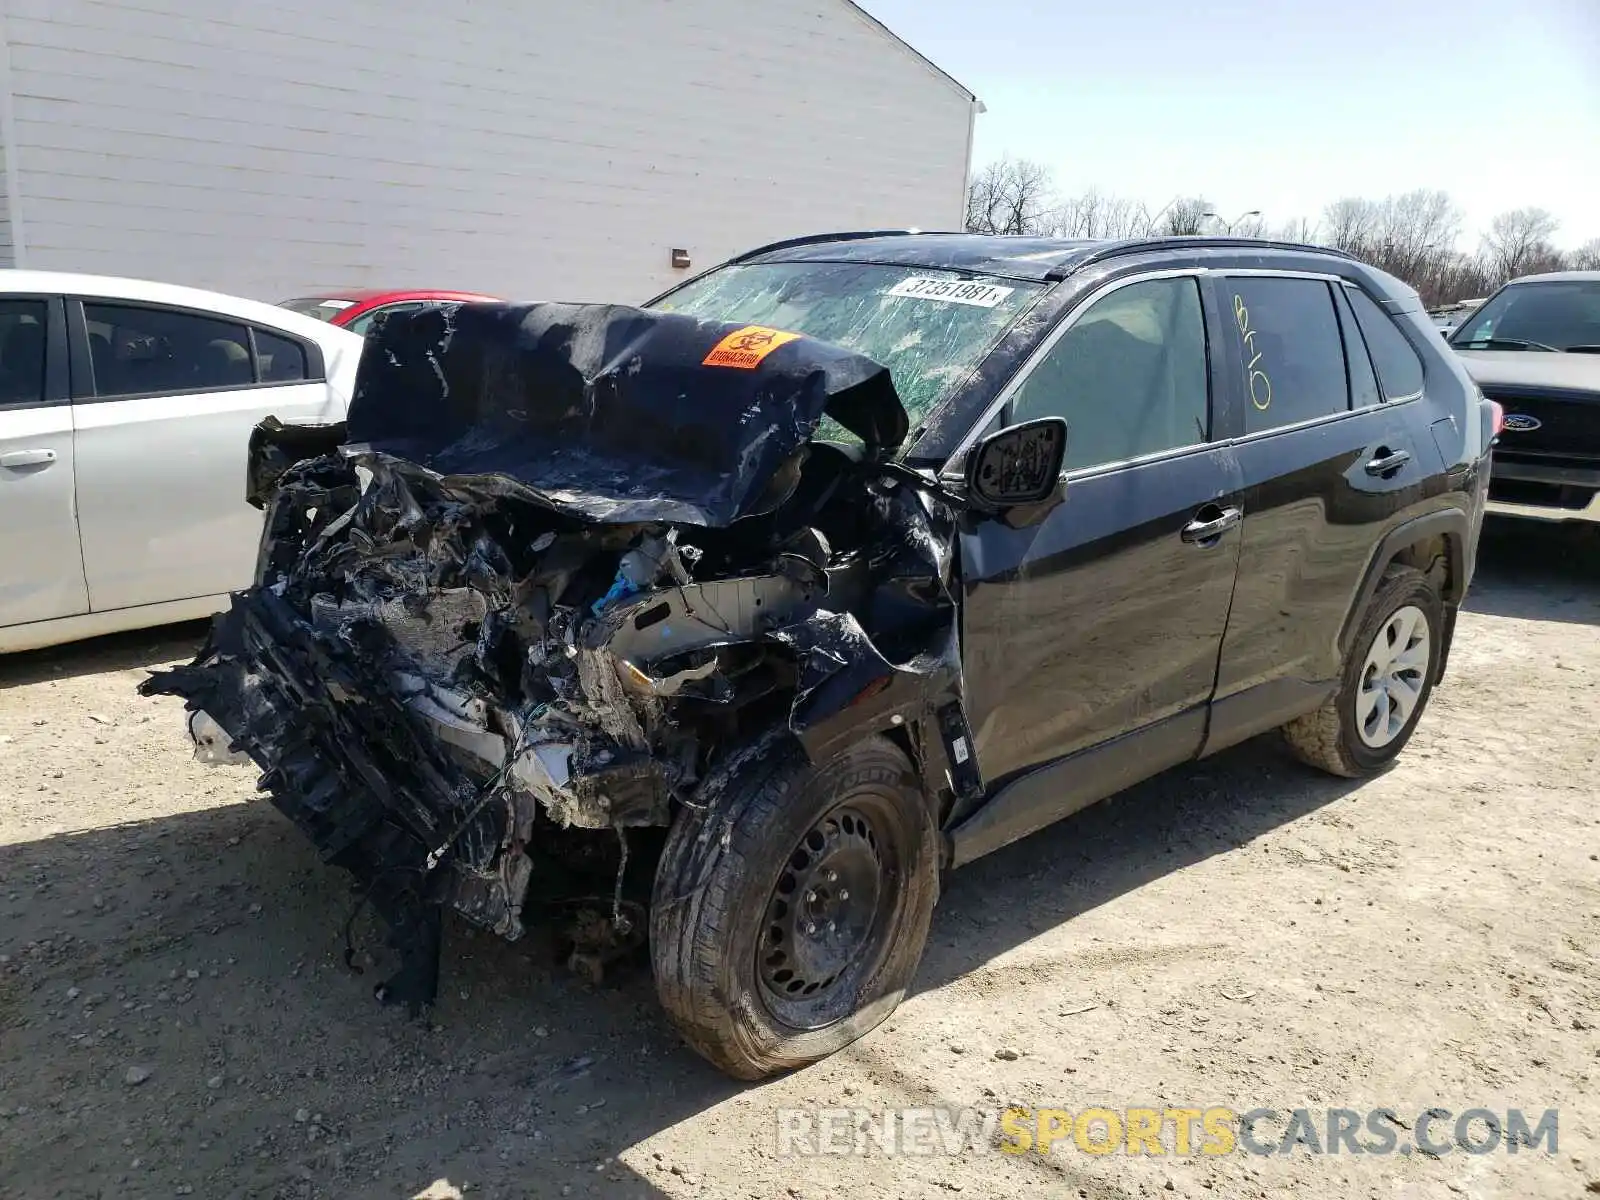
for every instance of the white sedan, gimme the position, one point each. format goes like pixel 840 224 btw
pixel 125 412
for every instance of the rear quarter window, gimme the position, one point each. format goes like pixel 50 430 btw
pixel 1398 365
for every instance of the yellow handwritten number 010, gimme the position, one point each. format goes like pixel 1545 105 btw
pixel 1260 385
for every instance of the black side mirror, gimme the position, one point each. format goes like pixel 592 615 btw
pixel 1019 467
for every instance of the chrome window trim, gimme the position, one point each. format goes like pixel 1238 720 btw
pixel 1044 348
pixel 1142 460
pixel 1279 272
pixel 1328 419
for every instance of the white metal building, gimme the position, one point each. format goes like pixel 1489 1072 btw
pixel 527 148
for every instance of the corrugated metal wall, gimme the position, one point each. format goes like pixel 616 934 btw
pixel 531 148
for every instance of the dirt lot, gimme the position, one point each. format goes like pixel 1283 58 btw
pixel 177 1019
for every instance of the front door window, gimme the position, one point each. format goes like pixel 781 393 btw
pixel 1129 375
pixel 22 336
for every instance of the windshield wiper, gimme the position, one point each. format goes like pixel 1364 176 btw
pixel 1512 343
pixel 1584 349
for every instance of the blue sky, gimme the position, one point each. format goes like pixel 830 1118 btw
pixel 1284 105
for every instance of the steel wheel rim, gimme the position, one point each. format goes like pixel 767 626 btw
pixel 829 915
pixel 1393 677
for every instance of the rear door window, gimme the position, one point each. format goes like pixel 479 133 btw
pixel 1292 355
pixel 1399 368
pixel 140 351
pixel 22 357
pixel 281 359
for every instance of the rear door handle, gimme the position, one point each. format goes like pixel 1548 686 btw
pixel 27 458
pixel 1211 528
pixel 1388 462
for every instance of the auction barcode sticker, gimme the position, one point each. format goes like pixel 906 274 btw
pixel 951 291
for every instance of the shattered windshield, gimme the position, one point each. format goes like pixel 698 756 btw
pixel 929 327
pixel 1554 315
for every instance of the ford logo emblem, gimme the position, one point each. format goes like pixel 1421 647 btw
pixel 1522 423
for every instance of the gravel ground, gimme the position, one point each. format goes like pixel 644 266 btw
pixel 176 1017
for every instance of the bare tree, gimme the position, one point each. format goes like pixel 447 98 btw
pixel 1586 257
pixel 1302 230
pixel 1459 277
pixel 1518 242
pixel 1010 196
pixel 1252 226
pixel 1415 232
pixel 1348 224
pixel 1411 236
pixel 1184 217
pixel 1098 215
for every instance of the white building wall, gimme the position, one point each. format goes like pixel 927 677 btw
pixel 529 148
pixel 7 247
pixel 7 251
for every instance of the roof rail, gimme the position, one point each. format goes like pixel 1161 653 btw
pixel 1136 245
pixel 812 239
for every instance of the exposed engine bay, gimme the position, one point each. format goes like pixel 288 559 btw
pixel 561 561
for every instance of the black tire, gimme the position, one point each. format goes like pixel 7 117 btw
pixel 1330 738
pixel 719 972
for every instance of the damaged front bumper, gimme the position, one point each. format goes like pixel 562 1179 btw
pixel 446 678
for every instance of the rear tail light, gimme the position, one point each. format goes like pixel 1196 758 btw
pixel 1497 417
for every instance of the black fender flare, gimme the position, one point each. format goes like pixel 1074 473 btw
pixel 1453 525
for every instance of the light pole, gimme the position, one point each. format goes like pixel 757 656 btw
pixel 1228 225
pixel 1165 209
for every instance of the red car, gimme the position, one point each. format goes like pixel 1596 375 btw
pixel 356 310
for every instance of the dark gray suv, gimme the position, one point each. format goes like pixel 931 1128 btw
pixel 833 569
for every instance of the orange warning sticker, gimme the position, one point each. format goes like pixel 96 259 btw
pixel 745 348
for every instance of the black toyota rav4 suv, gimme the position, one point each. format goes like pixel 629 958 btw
pixel 834 568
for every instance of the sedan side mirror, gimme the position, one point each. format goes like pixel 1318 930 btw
pixel 1019 469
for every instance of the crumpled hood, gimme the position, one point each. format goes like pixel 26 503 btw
pixel 1533 369
pixel 611 413
pixel 506 615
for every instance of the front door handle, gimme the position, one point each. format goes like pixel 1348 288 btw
pixel 27 458
pixel 1207 528
pixel 1388 461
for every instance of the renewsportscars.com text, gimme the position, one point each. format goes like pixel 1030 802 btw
pixel 1176 1131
